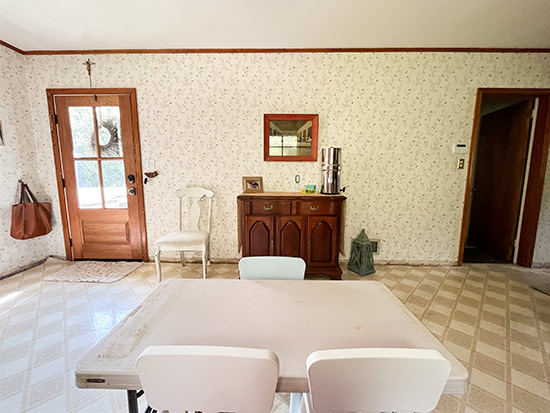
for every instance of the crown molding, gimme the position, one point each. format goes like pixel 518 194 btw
pixel 282 50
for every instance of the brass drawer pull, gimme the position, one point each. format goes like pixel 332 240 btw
pixel 268 207
pixel 314 207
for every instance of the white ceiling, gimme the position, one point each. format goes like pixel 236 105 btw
pixel 161 24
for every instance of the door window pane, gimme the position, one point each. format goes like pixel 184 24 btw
pixel 108 129
pixel 114 184
pixel 87 183
pixel 82 131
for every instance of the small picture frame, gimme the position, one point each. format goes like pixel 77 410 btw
pixel 2 136
pixel 253 184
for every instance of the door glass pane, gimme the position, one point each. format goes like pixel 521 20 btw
pixel 114 184
pixel 82 131
pixel 87 183
pixel 108 129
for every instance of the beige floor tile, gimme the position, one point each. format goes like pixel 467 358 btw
pixel 532 331
pixel 462 327
pixel 528 367
pixel 493 328
pixel 529 402
pixel 490 366
pixel 489 383
pixel 526 352
pixel 484 401
pixel 525 339
pixel 460 338
pixel 490 351
pixel 530 384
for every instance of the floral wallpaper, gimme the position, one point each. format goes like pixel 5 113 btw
pixel 18 160
pixel 395 116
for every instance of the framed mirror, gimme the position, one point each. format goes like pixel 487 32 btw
pixel 290 137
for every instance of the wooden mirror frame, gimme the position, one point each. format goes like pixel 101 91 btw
pixel 286 158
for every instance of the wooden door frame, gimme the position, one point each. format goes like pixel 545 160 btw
pixel 537 170
pixel 51 93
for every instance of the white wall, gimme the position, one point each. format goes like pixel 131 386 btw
pixel 394 114
pixel 17 161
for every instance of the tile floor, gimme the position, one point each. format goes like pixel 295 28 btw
pixel 495 325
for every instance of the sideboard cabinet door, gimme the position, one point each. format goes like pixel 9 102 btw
pixel 259 235
pixel 290 237
pixel 322 236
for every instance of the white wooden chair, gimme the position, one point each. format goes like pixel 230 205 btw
pixel 192 240
pixel 375 380
pixel 272 268
pixel 208 378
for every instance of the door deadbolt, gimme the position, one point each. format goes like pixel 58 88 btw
pixel 131 179
pixel 132 191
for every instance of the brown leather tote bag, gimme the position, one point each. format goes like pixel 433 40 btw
pixel 30 218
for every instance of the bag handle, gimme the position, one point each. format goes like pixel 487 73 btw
pixel 26 194
pixel 31 194
pixel 21 191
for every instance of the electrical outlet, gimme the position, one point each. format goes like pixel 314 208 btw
pixel 375 246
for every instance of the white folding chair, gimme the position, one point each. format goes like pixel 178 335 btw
pixel 192 240
pixel 208 378
pixel 272 268
pixel 375 380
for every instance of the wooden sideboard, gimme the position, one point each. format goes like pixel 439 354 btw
pixel 293 224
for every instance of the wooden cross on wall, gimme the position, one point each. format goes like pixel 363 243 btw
pixel 89 64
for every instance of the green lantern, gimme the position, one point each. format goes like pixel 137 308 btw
pixel 360 257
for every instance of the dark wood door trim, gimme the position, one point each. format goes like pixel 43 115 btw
pixel 537 171
pixel 51 93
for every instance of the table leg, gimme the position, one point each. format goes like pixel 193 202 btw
pixel 295 402
pixel 132 401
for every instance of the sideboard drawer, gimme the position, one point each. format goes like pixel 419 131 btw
pixel 268 207
pixel 318 207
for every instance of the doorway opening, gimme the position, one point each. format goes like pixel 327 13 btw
pixel 508 158
pixel 499 169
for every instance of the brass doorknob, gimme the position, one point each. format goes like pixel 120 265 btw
pixel 132 191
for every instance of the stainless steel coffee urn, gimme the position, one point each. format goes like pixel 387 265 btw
pixel 330 160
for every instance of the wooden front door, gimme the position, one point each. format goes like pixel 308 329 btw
pixel 498 183
pixel 99 154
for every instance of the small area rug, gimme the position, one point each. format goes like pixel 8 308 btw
pixel 94 271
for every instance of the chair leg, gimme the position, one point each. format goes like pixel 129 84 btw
pixel 204 262
pixel 182 258
pixel 157 264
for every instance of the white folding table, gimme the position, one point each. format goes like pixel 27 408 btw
pixel 291 318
